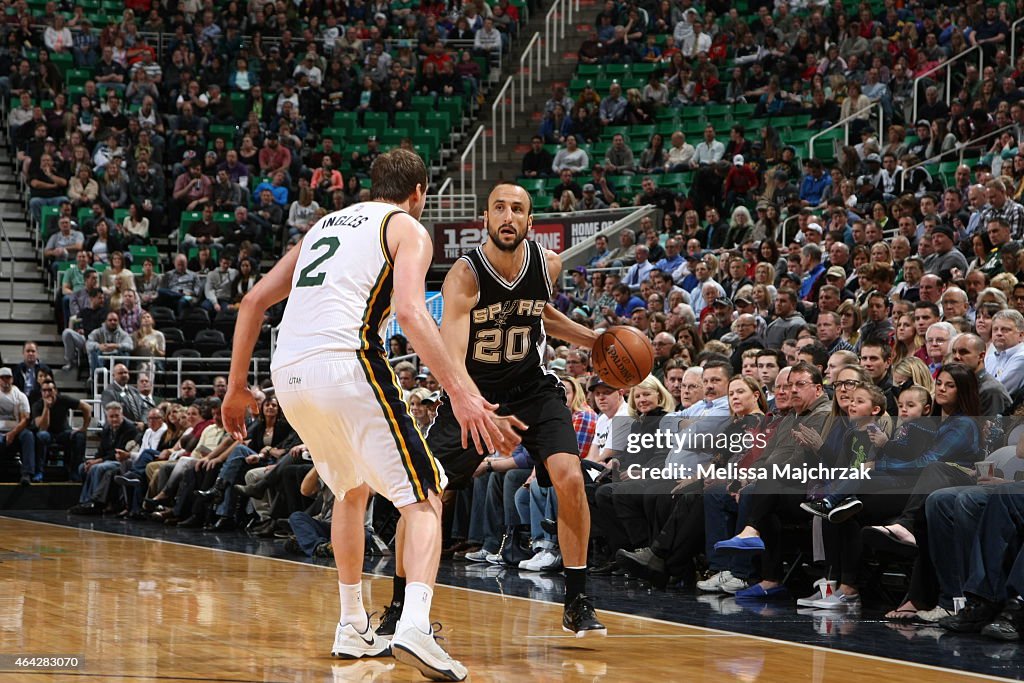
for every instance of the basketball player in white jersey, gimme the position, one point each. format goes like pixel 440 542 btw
pixel 332 379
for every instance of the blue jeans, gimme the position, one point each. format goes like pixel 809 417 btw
pixel 535 504
pixel 476 516
pixel 96 482
pixel 997 544
pixel 309 532
pixel 233 472
pixel 25 443
pixel 953 516
pixel 500 507
pixel 72 441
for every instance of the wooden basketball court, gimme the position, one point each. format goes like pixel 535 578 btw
pixel 136 609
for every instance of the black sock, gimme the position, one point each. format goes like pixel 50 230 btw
pixel 398 597
pixel 575 583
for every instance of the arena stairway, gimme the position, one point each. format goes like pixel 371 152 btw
pixel 32 319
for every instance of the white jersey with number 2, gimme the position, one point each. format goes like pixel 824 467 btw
pixel 341 288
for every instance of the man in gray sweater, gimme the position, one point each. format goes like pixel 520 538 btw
pixel 108 340
pixel 218 286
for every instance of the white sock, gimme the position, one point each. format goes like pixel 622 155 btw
pixel 352 610
pixel 416 609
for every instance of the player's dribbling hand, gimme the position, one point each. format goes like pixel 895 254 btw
pixel 510 438
pixel 232 410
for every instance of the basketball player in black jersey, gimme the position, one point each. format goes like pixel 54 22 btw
pixel 496 316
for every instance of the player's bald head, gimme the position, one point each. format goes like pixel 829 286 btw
pixel 510 193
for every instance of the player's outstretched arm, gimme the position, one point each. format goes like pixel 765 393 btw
pixel 555 322
pixel 412 250
pixel 271 289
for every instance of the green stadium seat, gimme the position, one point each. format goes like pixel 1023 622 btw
pixel 589 70
pixel 532 185
pixel 141 252
pixel 376 120
pixel 542 202
pixel 407 119
pixel 671 180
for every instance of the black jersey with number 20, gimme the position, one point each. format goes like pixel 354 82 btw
pixel 506 335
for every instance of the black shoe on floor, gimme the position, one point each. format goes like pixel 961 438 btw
pixel 86 509
pixel 579 618
pixel 25 480
pixel 389 620
pixel 972 618
pixel 193 522
pixel 1009 625
pixel 604 569
pixel 292 547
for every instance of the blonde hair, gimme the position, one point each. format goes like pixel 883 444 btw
pixel 418 392
pixel 579 396
pixel 915 369
pixel 665 399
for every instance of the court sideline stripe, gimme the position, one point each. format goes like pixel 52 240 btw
pixel 706 629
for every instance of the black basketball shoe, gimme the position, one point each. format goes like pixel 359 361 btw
pixel 389 620
pixel 579 618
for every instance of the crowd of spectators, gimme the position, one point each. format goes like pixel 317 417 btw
pixel 218 131
pixel 794 68
pixel 859 306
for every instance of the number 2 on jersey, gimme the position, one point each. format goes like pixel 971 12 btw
pixel 487 347
pixel 306 278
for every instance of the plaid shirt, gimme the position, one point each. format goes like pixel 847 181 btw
pixel 585 423
pixel 1012 213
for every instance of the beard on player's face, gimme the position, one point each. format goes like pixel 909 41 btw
pixel 494 234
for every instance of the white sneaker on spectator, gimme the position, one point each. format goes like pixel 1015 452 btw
pixel 495 558
pixel 816 595
pixel 418 649
pixel 734 584
pixel 477 556
pixel 838 600
pixel 713 584
pixel 525 564
pixel 550 560
pixel 351 644
pixel 932 616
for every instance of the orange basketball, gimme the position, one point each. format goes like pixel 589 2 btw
pixel 623 356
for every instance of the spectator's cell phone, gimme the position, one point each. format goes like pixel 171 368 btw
pixel 306 455
pixel 873 428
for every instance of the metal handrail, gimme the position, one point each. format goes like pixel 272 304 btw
pixel 945 65
pixel 532 54
pixel 555 23
pixel 963 150
pixel 574 255
pixel 845 122
pixel 470 152
pixel 450 187
pixel 1013 40
pixel 504 106
pixel 10 251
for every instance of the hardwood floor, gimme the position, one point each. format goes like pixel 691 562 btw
pixel 142 610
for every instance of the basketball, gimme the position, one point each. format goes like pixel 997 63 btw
pixel 623 356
